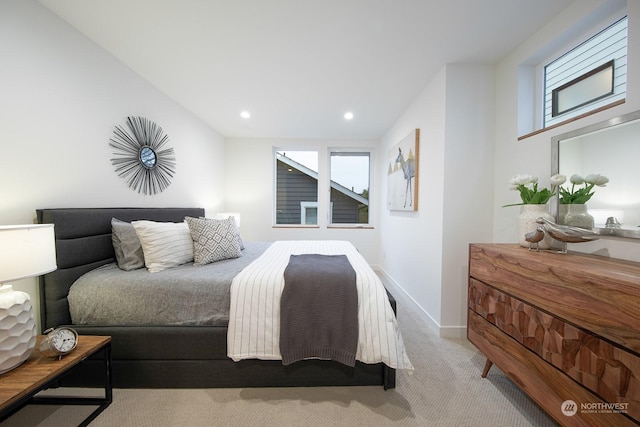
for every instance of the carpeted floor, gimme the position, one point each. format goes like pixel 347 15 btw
pixel 444 390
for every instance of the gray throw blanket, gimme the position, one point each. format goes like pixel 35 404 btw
pixel 319 309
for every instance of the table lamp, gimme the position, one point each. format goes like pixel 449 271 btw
pixel 225 215
pixel 25 251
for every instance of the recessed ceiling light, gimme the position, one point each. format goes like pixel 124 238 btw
pixel 245 114
pixel 348 115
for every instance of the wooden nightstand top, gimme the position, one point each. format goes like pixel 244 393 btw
pixel 38 370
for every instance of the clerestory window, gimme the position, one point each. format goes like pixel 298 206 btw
pixel 587 77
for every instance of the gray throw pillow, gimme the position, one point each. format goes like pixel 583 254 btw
pixel 126 245
pixel 240 241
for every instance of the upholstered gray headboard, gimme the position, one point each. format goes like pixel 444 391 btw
pixel 83 242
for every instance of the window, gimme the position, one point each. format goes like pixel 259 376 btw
pixel 350 177
pixel 589 76
pixel 340 176
pixel 309 212
pixel 296 187
pixel 589 87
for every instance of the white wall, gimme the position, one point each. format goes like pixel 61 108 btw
pixel 60 97
pixel 249 191
pixel 468 179
pixel 411 242
pixel 426 252
pixel 533 155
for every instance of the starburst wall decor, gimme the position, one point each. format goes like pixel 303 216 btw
pixel 140 158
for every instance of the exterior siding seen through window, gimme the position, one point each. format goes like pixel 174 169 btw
pixel 293 187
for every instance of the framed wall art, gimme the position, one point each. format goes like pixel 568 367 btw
pixel 402 174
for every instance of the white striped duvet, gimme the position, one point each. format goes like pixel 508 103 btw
pixel 254 318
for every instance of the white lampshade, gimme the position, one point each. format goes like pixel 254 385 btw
pixel 225 215
pixel 26 251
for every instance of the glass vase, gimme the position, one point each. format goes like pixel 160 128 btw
pixel 527 222
pixel 562 212
pixel 577 216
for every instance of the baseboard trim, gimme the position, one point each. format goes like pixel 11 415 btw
pixel 442 331
pixel 453 331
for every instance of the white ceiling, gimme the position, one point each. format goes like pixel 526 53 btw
pixel 299 65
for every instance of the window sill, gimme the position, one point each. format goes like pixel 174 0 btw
pixel 332 226
pixel 295 226
pixel 573 119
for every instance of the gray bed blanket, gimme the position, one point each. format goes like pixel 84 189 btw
pixel 319 309
pixel 182 295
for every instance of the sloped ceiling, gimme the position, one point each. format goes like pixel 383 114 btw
pixel 299 65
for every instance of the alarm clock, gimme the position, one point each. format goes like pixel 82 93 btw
pixel 58 342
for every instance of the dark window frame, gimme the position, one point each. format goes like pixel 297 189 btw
pixel 555 93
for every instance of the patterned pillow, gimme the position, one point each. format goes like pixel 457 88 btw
pixel 213 240
pixel 235 224
pixel 165 244
pixel 126 245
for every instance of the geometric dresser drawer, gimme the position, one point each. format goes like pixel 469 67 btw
pixel 610 372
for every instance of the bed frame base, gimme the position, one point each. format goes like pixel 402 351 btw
pixel 229 374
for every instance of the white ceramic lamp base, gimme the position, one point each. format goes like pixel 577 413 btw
pixel 17 328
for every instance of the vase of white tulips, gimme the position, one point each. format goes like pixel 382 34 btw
pixel 572 208
pixel 576 215
pixel 534 205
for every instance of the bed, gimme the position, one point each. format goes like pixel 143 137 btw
pixel 167 356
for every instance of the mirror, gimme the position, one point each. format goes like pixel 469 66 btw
pixel 610 148
pixel 141 156
pixel 147 157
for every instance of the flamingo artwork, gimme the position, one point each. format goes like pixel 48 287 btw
pixel 409 171
pixel 403 174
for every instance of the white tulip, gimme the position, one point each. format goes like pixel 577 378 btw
pixel 523 180
pixel 597 179
pixel 557 180
pixel 576 179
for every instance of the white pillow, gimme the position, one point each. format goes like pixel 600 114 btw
pixel 164 244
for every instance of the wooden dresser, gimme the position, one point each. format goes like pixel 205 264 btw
pixel 563 327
